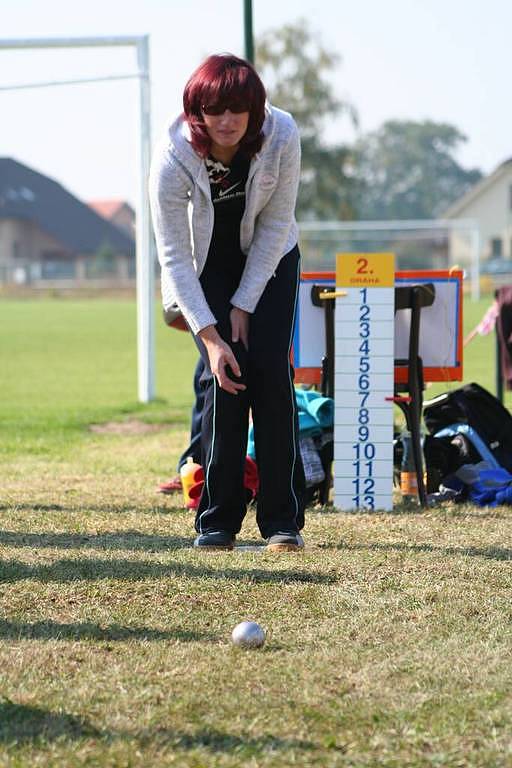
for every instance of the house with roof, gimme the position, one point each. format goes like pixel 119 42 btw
pixel 489 204
pixel 118 212
pixel 48 235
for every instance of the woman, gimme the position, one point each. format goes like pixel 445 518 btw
pixel 233 270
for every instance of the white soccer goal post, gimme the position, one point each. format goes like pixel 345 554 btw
pixel 144 240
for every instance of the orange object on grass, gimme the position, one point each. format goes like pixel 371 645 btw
pixel 191 473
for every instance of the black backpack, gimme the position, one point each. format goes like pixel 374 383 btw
pixel 475 406
pixel 443 457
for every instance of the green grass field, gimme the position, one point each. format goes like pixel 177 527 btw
pixel 389 638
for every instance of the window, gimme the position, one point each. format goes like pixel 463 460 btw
pixel 496 248
pixel 57 265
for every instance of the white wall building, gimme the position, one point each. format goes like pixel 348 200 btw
pixel 489 203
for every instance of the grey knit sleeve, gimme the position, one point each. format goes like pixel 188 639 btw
pixel 169 192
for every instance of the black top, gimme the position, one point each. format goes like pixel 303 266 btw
pixel 227 188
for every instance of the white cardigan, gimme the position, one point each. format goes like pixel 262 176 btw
pixel 183 215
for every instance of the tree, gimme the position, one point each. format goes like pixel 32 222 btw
pixel 407 170
pixel 294 66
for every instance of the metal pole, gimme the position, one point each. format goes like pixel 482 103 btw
pixel 68 42
pixel 498 370
pixel 362 224
pixel 144 242
pixel 248 35
pixel 77 81
pixel 475 264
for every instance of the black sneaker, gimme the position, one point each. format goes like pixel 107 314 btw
pixel 285 541
pixel 215 540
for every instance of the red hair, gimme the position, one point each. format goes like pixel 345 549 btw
pixel 222 78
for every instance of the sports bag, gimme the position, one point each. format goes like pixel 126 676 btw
pixel 474 406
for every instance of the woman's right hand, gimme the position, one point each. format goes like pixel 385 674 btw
pixel 221 355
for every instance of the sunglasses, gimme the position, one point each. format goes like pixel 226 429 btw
pixel 237 107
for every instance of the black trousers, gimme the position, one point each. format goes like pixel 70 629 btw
pixel 268 375
pixel 194 447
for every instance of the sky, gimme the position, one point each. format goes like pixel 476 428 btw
pixel 443 60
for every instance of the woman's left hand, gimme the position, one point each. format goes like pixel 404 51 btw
pixel 240 326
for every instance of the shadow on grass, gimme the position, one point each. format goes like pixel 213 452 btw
pixel 33 507
pixel 20 723
pixel 51 630
pixel 219 741
pixel 113 508
pixel 23 724
pixel 89 569
pixel 131 540
pixel 490 553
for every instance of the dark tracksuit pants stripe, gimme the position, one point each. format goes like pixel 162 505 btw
pixel 268 375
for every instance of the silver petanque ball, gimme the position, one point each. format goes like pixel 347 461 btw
pixel 248 634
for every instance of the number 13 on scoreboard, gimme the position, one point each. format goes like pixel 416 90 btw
pixel 364 378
